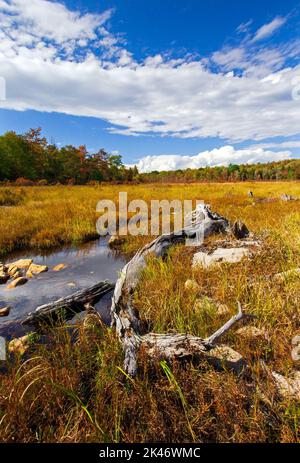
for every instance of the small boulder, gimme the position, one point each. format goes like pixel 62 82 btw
pixel 3 277
pixel 35 269
pixel 191 285
pixel 72 284
pixel 17 282
pixel 230 255
pixel 59 267
pixel 19 345
pixel 288 388
pixel 116 240
pixel 201 259
pixel 286 197
pixel 3 268
pixel 16 275
pixel 4 311
pixel 12 270
pixel 252 332
pixel 22 263
pixel 223 356
pixel 222 309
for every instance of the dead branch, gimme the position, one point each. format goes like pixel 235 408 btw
pixel 202 223
pixel 66 307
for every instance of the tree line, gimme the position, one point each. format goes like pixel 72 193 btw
pixel 279 170
pixel 30 158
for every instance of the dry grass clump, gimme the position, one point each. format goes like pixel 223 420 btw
pixel 69 392
pixel 11 197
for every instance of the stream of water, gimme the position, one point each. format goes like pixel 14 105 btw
pixel 86 265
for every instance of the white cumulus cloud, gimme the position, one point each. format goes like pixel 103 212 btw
pixel 217 157
pixel 55 59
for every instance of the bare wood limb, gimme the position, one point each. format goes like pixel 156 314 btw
pixel 215 336
pixel 202 222
pixel 185 346
pixel 66 307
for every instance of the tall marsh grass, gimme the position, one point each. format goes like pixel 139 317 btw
pixel 77 391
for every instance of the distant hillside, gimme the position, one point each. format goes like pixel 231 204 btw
pixel 279 170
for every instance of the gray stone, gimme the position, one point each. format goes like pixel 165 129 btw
pixel 230 255
pixel 252 332
pixel 223 356
pixel 3 277
pixel 17 282
pixel 22 263
pixel 4 311
pixel 59 267
pixel 288 388
pixel 35 269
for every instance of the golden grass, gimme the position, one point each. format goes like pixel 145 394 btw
pixel 45 217
pixel 79 393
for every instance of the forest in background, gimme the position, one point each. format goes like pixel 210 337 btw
pixel 29 159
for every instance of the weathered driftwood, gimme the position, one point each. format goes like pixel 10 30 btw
pixel 125 318
pixel 186 346
pixel 66 307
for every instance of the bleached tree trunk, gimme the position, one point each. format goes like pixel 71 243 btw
pixel 126 319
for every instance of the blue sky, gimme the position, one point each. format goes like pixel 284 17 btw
pixel 167 84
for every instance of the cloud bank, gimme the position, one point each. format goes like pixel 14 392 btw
pixel 217 157
pixel 71 63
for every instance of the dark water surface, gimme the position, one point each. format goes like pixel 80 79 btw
pixel 87 264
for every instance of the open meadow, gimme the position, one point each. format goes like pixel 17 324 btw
pixel 66 391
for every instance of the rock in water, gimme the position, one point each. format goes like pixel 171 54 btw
pixel 35 269
pixel 4 311
pixel 16 275
pixel 12 270
pixel 59 267
pixel 17 282
pixel 3 277
pixel 22 263
pixel 116 240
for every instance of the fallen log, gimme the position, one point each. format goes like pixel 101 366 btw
pixel 125 318
pixel 66 307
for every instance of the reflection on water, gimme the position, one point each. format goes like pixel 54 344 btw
pixel 86 265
